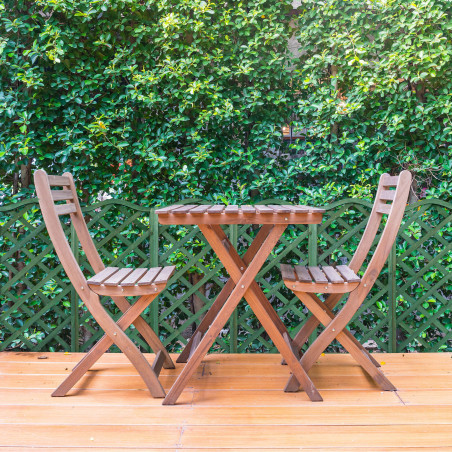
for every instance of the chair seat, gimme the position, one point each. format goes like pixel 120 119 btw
pixel 325 279
pixel 115 281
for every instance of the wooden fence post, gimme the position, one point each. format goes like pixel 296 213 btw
pixel 75 324
pixel 154 262
pixel 392 299
pixel 313 258
pixel 233 323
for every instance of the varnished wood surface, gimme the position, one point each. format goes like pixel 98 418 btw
pixel 241 218
pixel 258 214
pixel 114 332
pixel 335 323
pixel 232 403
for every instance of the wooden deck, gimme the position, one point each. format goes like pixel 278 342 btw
pixel 234 402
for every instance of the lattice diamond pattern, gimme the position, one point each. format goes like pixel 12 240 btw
pixel 40 309
pixel 425 287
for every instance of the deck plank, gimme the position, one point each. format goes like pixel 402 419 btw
pixel 232 403
pixel 90 436
pixel 431 436
pixel 207 415
pixel 321 379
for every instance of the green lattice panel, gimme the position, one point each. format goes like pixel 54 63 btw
pixel 409 308
pixel 424 286
pixel 35 292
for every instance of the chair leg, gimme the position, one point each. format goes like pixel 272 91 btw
pixel 353 344
pixel 147 332
pixel 335 328
pixel 312 323
pixel 115 334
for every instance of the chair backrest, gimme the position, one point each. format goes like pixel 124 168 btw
pixel 391 198
pixel 51 211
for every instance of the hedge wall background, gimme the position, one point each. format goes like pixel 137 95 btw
pixel 158 101
pixel 169 99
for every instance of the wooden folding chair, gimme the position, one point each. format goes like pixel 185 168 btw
pixel 108 281
pixel 306 282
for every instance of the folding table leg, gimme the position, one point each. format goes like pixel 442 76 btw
pixel 241 287
pixel 257 300
pixel 242 264
pixel 333 330
pixel 207 320
pixel 224 294
pixel 114 333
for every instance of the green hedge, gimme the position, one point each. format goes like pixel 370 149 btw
pixel 171 99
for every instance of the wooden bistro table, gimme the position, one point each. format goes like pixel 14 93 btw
pixel 242 270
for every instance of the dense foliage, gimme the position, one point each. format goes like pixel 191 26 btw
pixel 376 90
pixel 149 96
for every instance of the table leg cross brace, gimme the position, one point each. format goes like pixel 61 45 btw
pixel 245 286
pixel 222 296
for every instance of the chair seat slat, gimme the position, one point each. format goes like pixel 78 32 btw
pixel 166 210
pixel 287 272
pixel 264 209
pixel 280 209
pixel 318 275
pixel 347 273
pixel 164 275
pixel 303 274
pixel 149 276
pixel 199 210
pixel 298 209
pixel 215 210
pixel 182 210
pixel 132 279
pixel 62 195
pixel 248 210
pixel 231 209
pixel 332 274
pixel 116 278
pixel 65 209
pixel 100 277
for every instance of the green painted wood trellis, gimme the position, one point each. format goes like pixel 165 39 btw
pixel 409 308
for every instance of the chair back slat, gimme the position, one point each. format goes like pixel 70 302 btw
pixel 64 209
pixel 62 195
pixel 385 199
pixel 389 181
pixel 384 209
pixel 58 181
pixel 51 213
pixel 387 195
